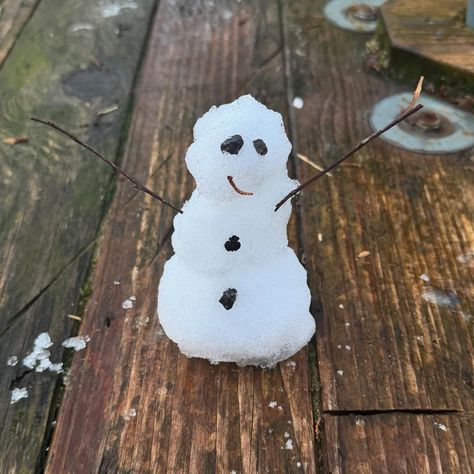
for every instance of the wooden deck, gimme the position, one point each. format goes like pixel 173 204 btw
pixel 386 386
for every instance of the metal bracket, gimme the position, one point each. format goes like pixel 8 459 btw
pixel 438 128
pixel 352 15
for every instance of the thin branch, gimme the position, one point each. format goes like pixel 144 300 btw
pixel 410 110
pixel 136 184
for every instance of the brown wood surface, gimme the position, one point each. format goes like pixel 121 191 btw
pixel 190 416
pixel 395 371
pixel 52 195
pixel 399 444
pixel 412 212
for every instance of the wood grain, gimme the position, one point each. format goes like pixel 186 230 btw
pixel 399 444
pixel 430 38
pixel 52 195
pixel 381 345
pixel 14 14
pixel 190 416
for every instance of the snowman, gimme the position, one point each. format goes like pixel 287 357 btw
pixel 234 291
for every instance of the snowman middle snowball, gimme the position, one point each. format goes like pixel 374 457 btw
pixel 234 291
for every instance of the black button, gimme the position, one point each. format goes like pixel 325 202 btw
pixel 232 244
pixel 228 298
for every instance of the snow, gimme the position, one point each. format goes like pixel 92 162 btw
pixel 234 291
pixel 38 358
pixel 273 404
pixel 298 103
pixel 439 297
pixel 340 373
pixel 440 426
pixel 77 343
pixel 289 444
pixel 132 413
pixel 18 394
pixel 129 302
pixel 425 277
pixel 12 361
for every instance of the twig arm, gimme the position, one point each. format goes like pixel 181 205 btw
pixel 136 184
pixel 355 149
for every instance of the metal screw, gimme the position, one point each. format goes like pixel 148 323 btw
pixel 363 12
pixel 427 120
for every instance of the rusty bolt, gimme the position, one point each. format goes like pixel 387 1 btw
pixel 427 120
pixel 363 12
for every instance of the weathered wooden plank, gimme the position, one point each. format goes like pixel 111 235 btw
pixel 399 443
pixel 190 416
pixel 429 38
pixel 381 343
pixel 13 16
pixel 52 195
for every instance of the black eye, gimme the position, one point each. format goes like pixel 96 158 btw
pixel 260 146
pixel 232 145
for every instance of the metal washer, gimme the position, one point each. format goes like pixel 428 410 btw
pixel 336 12
pixel 461 137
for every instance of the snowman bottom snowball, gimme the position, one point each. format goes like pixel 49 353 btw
pixel 234 291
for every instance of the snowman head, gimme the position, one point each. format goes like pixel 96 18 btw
pixel 243 140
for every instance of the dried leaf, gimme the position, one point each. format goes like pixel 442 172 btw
pixel 15 140
pixel 364 253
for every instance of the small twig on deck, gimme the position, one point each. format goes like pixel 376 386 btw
pixel 410 110
pixel 311 163
pixel 136 184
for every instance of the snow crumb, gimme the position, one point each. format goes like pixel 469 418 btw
pixel 291 363
pixel 440 426
pixel 132 413
pixel 348 324
pixel 286 435
pixel 233 472
pixel 12 361
pixel 341 306
pixel 298 464
pixel 348 348
pixel 467 258
pixel 270 430
pixel 339 346
pixel 38 358
pixel 273 404
pixel 289 444
pixel 116 282
pixel 360 422
pixel 133 298
pixel 425 277
pixel 18 394
pixel 129 302
pixel 320 237
pixel 298 103
pixel 77 343
pixel 340 372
